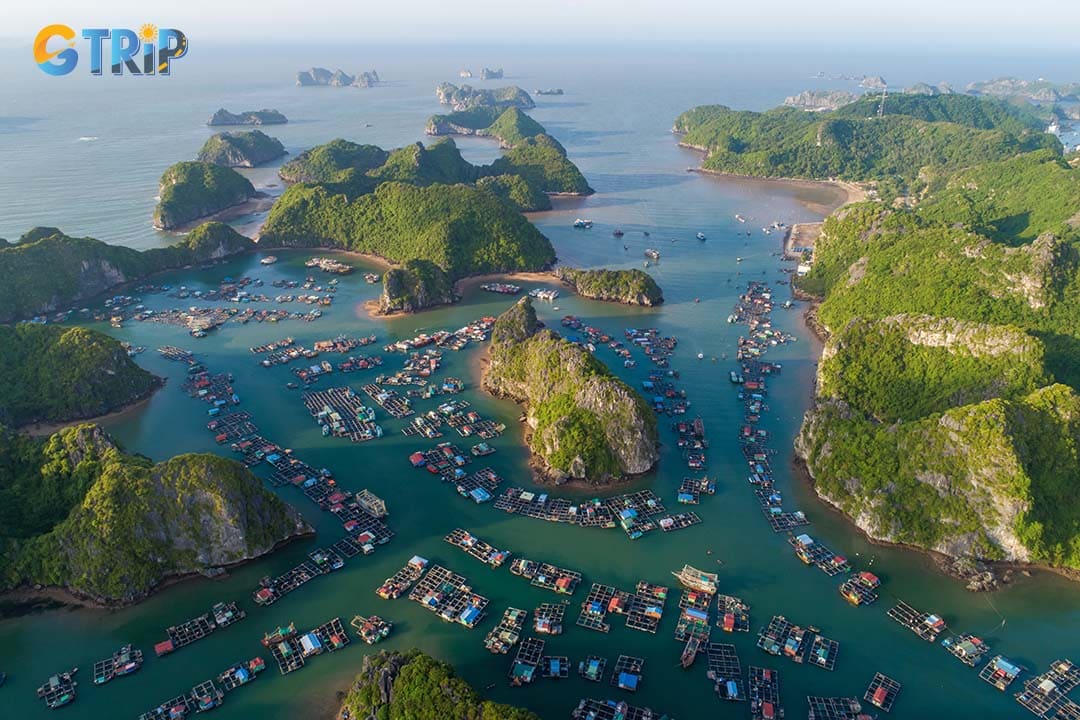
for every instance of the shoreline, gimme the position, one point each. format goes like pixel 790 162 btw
pixel 260 202
pixel 41 429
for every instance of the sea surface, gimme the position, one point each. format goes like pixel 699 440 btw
pixel 84 154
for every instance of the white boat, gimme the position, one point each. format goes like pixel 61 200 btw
pixel 269 260
pixel 740 218
pixel 581 223
pixel 652 254
pixel 701 236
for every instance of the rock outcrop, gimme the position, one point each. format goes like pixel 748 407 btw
pixel 630 287
pixel 584 423
pixel 192 190
pixel 416 285
pixel 466 96
pixel 818 100
pixel 247 117
pixel 241 149
pixel 337 78
pixel 489 74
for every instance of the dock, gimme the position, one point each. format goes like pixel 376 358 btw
pixel 477 548
pixel 527 662
pixel 506 634
pixel 594 609
pixel 449 596
pixel 1047 695
pixel 1000 672
pixel 926 625
pixel 59 689
pixel 882 692
pixel 548 618
pixel 592 668
pixel 764 693
pixel 725 671
pixel 626 675
pixel 401 581
pixel 732 614
pixel 124 661
pixel 833 708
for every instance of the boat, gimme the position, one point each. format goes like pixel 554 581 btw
pixel 652 254
pixel 269 260
pixel 701 356
pixel 482 449
pixel 3 677
pixel 617 232
pixel 580 223
pixel 701 236
pixel 695 579
pixel 690 652
pixel 737 378
pixel 279 634
pixel 740 218
pixel 738 259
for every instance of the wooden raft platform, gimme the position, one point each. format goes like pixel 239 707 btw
pixel 1046 695
pixel 764 693
pixel 926 625
pixel 595 608
pixel 882 692
pixel 506 634
pixel 725 671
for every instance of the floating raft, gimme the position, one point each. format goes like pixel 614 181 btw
pixel 781 638
pixel 175 709
pixel 59 690
pixel 833 708
pixel 206 696
pixel 241 674
pixel 626 675
pixel 372 629
pixel 477 548
pixel 733 615
pixel 592 668
pixel 449 596
pixel 547 576
pixel 1000 672
pixel 548 618
pixel 1046 695
pixel 397 585
pixel 882 692
pixel 814 553
pixel 926 625
pixel 823 652
pixel 124 661
pixel 555 666
pixel 223 615
pixel 968 649
pixel 693 616
pixel 529 656
pixel 764 693
pixel 645 607
pixel 595 608
pixel 589 709
pixel 861 588
pixel 341 413
pixel 506 634
pixel 725 671
pixel 389 400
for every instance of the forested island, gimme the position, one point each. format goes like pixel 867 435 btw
pixel 337 78
pixel 47 271
pixel 509 126
pixel 192 190
pixel 247 117
pixel 630 287
pixel 917 140
pixel 466 96
pixel 56 374
pixel 584 423
pixel 106 527
pixel 416 686
pixel 241 149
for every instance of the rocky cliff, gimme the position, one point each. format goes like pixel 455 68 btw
pixel 818 100
pixel 141 523
pixel 192 190
pixel 584 423
pixel 247 117
pixel 466 96
pixel 630 287
pixel 415 286
pixel 336 78
pixel 241 149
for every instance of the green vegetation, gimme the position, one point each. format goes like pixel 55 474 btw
pixel 466 96
pixel 542 162
pixel 192 190
pixel 919 137
pixel 47 270
pixel 329 162
pixel 585 423
pixel 414 686
pixel 516 190
pixel 111 526
pixel 247 117
pixel 509 127
pixel 440 163
pixel 462 229
pixel 633 287
pixel 416 285
pixel 241 149
pixel 56 374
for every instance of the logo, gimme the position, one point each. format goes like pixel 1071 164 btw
pixel 149 50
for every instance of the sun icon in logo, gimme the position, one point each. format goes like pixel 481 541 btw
pixel 148 32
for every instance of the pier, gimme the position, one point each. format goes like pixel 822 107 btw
pixel 823 652
pixel 968 649
pixel 555 667
pixel 341 413
pixel 372 629
pixel 693 616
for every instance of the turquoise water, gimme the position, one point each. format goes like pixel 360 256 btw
pixel 614 121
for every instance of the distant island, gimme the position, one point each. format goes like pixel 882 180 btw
pixel 55 374
pixel 584 424
pixel 415 685
pixel 551 91
pixel 919 138
pixel 630 287
pixel 247 117
pixel 489 74
pixel 108 528
pixel 48 271
pixel 336 78
pixel 193 190
pixel 509 126
pixel 241 149
pixel 466 97
pixel 1038 91
pixel 819 100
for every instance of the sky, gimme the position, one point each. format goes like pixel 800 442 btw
pixel 961 23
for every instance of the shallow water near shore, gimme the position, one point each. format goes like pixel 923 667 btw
pixel 614 121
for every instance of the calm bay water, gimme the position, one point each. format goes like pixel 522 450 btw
pixel 614 121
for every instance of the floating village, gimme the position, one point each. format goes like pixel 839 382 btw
pixel 694 608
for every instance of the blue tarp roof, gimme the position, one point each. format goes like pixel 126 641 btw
pixel 627 680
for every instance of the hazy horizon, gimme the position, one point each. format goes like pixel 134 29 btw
pixel 993 25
